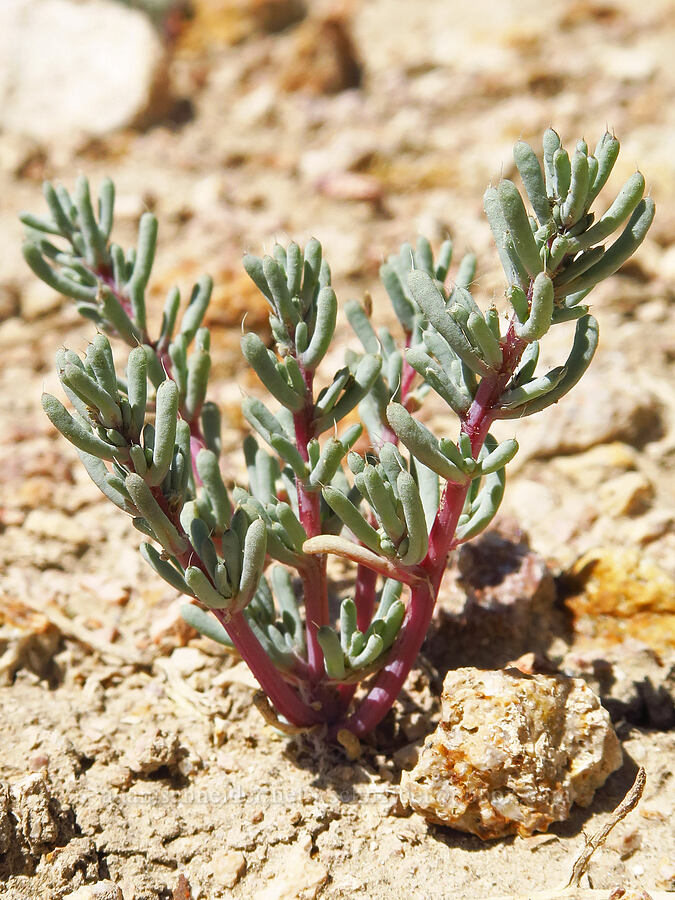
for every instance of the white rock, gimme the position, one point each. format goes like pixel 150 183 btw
pixel 69 67
pixel 512 753
pixel 187 660
pixel 51 524
pixel 102 890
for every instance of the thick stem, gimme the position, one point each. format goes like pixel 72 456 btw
pixel 285 699
pixel 390 679
pixel 364 596
pixel 197 443
pixel 315 588
pixel 406 380
pixel 388 436
pixel 315 591
pixel 476 424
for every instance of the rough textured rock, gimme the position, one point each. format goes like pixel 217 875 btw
pixel 512 753
pixel 125 64
pixel 300 877
pixel 76 864
pixel 33 808
pixel 157 750
pixel 224 870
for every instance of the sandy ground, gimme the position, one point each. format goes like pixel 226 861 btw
pixel 153 768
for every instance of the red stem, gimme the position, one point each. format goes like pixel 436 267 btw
pixel 315 592
pixel 406 380
pixel 104 273
pixel 315 587
pixel 389 681
pixel 364 596
pixel 284 698
pixel 197 443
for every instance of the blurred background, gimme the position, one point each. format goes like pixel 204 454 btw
pixel 239 122
pixel 363 123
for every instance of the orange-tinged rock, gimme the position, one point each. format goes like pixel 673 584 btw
pixel 512 753
pixel 617 593
pixel 28 640
pixel 236 299
pixel 322 57
pixel 214 23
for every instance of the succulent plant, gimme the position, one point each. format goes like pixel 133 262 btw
pixel 253 560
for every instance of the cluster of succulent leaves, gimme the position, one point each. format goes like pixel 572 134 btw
pixel 150 440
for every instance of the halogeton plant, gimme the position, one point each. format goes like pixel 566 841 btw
pixel 253 559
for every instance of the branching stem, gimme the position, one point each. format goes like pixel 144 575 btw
pixel 220 555
pixel 389 681
pixel 313 575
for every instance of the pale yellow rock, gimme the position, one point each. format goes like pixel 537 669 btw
pixel 512 753
pixel 187 660
pixel 626 495
pixel 301 876
pixel 593 467
pixel 52 524
pixel 38 300
pixel 225 869
pixel 609 406
pixel 652 526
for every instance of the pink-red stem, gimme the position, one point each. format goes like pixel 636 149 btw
pixel 313 574
pixel 403 654
pixel 364 596
pixel 285 699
